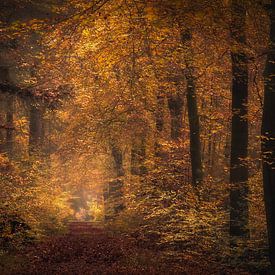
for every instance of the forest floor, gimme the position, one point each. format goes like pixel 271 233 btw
pixel 86 250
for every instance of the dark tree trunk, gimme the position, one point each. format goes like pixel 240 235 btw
pixel 35 129
pixel 160 113
pixel 138 155
pixel 9 125
pixel 268 139
pixel 113 199
pixel 4 75
pixel 113 191
pixel 118 160
pixel 239 126
pixel 159 116
pixel 175 104
pixel 194 125
pixel 193 115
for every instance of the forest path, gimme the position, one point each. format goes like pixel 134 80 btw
pixel 88 248
pixel 84 227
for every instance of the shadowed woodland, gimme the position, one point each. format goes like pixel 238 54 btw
pixel 137 137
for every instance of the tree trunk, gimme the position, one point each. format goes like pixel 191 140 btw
pixel 175 104
pixel 193 115
pixel 113 191
pixel 10 125
pixel 35 129
pixel 159 116
pixel 194 125
pixel 138 155
pixel 118 160
pixel 4 75
pixel 239 127
pixel 268 139
pixel 160 113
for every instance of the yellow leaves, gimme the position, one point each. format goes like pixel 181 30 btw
pixel 22 27
pixel 36 24
pixel 3 160
pixel 86 32
pixel 151 14
pixel 28 192
pixel 96 210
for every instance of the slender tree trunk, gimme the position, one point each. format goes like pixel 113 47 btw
pixel 10 125
pixel 159 115
pixel 35 129
pixel 239 126
pixel 118 160
pixel 268 139
pixel 138 155
pixel 4 75
pixel 113 192
pixel 175 104
pixel 193 115
pixel 194 125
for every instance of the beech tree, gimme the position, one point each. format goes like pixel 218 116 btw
pixel 268 137
pixel 239 125
pixel 10 105
pixel 194 121
pixel 36 128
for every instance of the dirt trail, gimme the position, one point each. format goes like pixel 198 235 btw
pixel 88 248
pixel 86 228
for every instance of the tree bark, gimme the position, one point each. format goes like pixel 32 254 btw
pixel 4 75
pixel 194 125
pixel 138 155
pixel 118 160
pixel 193 115
pixel 175 104
pixel 239 126
pixel 10 125
pixel 268 139
pixel 159 116
pixel 160 113
pixel 35 129
pixel 113 191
